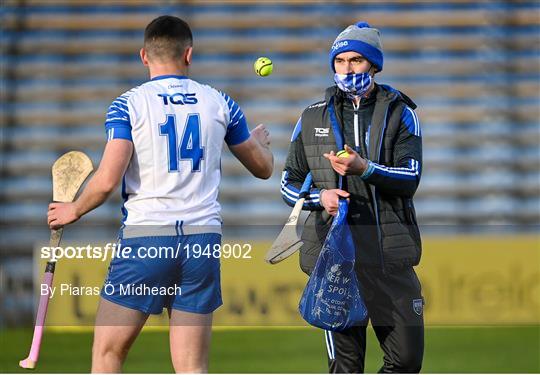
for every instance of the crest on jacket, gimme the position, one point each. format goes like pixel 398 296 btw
pixel 418 306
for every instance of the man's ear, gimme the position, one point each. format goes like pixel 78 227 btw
pixel 188 56
pixel 144 56
pixel 372 71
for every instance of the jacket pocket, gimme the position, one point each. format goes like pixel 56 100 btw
pixel 412 224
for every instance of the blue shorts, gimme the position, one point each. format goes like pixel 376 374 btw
pixel 164 272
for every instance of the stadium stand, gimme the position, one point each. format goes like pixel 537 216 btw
pixel 471 66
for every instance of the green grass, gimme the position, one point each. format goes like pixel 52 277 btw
pixel 449 349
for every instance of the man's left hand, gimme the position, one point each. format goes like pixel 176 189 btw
pixel 61 214
pixel 354 164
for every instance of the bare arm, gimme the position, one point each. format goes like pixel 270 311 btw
pixel 113 165
pixel 255 154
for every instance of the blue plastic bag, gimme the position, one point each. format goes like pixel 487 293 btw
pixel 331 299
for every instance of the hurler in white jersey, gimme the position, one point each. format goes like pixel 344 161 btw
pixel 164 143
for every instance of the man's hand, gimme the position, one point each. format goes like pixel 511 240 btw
pixel 61 214
pixel 330 200
pixel 262 135
pixel 352 165
pixel 255 153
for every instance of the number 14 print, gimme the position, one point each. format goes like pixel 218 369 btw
pixel 190 145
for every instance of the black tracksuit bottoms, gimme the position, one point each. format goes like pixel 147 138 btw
pixel 395 308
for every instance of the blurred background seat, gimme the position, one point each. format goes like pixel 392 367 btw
pixel 472 68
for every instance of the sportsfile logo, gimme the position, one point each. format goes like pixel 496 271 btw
pixel 117 250
pixel 338 45
pixel 322 132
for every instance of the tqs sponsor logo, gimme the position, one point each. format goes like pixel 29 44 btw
pixel 178 98
pixel 322 132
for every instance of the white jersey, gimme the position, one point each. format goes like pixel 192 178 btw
pixel 177 127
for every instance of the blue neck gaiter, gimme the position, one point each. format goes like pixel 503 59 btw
pixel 354 84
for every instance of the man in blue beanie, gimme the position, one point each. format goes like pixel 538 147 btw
pixel 380 173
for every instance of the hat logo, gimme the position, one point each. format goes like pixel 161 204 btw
pixel 338 45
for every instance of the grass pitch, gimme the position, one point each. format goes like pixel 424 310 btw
pixel 448 349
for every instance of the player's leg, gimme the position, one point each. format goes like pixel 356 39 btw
pixel 191 313
pixel 190 341
pixel 397 318
pixel 403 348
pixel 123 311
pixel 346 350
pixel 116 329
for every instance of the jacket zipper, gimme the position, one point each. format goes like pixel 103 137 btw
pixel 357 135
pixel 374 193
pixel 357 141
pixel 356 131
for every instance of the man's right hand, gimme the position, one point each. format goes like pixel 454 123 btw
pixel 255 153
pixel 262 135
pixel 330 200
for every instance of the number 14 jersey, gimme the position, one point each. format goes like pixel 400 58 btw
pixel 177 127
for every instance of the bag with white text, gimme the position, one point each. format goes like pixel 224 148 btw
pixel 331 299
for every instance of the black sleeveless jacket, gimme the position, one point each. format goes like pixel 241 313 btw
pixel 381 213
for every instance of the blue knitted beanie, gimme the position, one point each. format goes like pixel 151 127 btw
pixel 360 38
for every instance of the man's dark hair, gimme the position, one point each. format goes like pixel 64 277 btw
pixel 167 37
